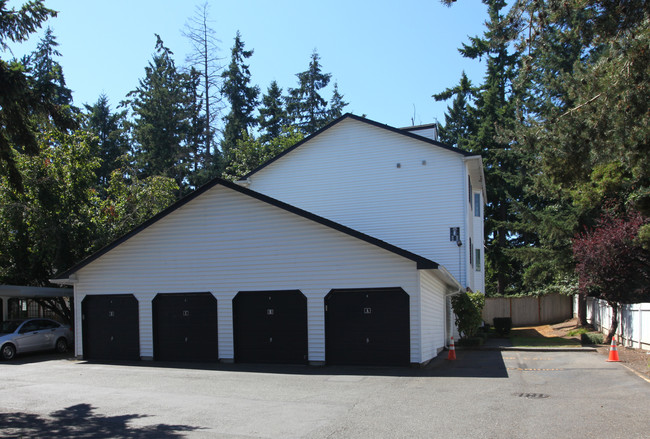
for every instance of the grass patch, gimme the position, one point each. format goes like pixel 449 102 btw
pixel 578 331
pixel 544 341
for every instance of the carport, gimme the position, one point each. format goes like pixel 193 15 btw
pixel 25 292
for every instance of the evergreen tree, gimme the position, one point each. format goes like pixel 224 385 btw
pixel 112 142
pixel 494 114
pixel 273 116
pixel 48 74
pixel 161 106
pixel 21 102
pixel 337 104
pixel 306 107
pixel 584 121
pixel 460 122
pixel 241 96
pixel 202 165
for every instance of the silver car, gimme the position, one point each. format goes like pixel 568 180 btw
pixel 20 336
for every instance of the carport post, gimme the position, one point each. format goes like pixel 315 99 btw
pixel 5 308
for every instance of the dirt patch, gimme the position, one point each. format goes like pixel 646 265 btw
pixel 636 359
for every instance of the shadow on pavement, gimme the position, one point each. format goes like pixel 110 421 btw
pixel 79 421
pixel 37 357
pixel 470 363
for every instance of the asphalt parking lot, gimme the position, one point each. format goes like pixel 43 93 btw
pixel 484 394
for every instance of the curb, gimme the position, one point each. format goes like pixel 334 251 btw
pixel 548 349
pixel 643 377
pixel 529 349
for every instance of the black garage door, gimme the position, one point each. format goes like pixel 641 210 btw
pixel 110 326
pixel 270 327
pixel 367 327
pixel 185 327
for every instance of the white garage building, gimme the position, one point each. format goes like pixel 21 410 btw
pixel 229 273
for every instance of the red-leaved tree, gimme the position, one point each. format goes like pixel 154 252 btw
pixel 612 264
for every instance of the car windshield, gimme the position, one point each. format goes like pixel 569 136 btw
pixel 9 326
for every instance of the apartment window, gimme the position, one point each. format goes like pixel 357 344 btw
pixel 471 252
pixel 469 186
pixel 477 260
pixel 477 204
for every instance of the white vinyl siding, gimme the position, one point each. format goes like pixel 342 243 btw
pixel 349 174
pixel 223 242
pixel 432 292
pixel 477 277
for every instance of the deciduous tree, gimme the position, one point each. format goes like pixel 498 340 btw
pixel 251 153
pixel 204 57
pixel 612 264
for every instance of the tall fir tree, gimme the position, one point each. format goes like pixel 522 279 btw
pixel 494 114
pixel 584 122
pixel 336 105
pixel 241 96
pixel 48 73
pixel 22 100
pixel 162 120
pixel 273 116
pixel 202 165
pixel 305 105
pixel 460 122
pixel 112 141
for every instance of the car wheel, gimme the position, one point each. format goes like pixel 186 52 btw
pixel 8 352
pixel 61 345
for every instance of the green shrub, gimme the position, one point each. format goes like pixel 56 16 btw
pixel 468 308
pixel 591 338
pixel 502 325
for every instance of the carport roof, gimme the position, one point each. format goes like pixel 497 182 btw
pixel 34 292
pixel 422 262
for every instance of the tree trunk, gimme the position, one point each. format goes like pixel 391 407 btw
pixel 614 325
pixel 582 309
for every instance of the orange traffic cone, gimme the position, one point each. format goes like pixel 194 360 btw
pixel 613 352
pixel 452 350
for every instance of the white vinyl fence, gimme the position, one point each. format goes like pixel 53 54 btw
pixel 528 311
pixel 633 321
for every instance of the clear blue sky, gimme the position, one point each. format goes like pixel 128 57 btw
pixel 388 57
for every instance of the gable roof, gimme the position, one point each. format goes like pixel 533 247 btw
pixel 422 263
pixel 401 131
